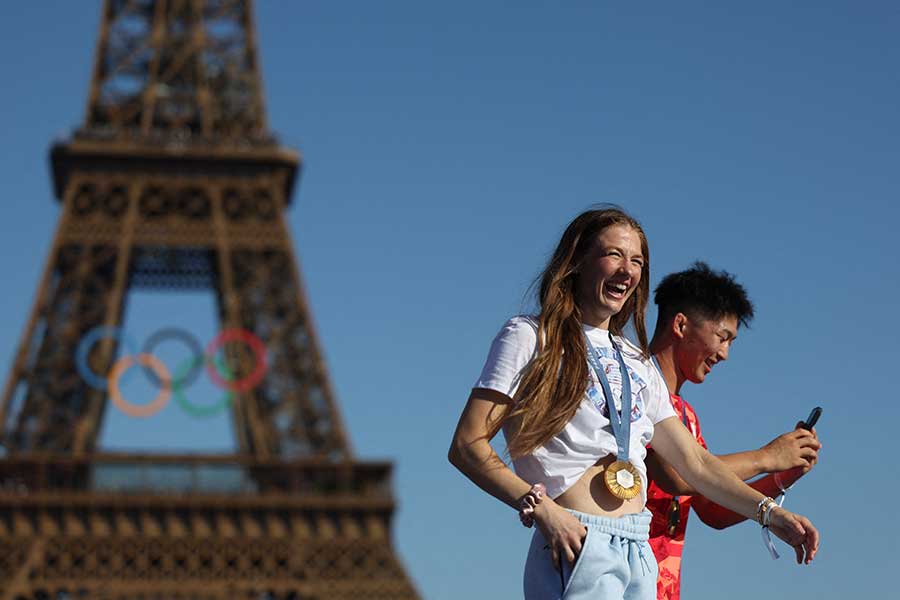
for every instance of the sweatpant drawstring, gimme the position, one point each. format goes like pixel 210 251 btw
pixel 644 563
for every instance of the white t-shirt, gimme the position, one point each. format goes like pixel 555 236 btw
pixel 561 461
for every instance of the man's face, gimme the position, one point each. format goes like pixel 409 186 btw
pixel 704 343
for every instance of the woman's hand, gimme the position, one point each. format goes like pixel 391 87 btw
pixel 563 532
pixel 797 531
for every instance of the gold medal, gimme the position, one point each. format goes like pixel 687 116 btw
pixel 623 480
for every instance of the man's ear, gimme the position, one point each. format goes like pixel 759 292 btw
pixel 679 325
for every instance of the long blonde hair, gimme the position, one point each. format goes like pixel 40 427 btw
pixel 554 382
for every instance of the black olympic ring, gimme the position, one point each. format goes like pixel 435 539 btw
pixel 182 335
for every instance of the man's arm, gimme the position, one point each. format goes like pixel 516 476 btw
pixel 794 449
pixel 713 478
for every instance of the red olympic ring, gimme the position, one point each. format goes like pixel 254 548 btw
pixel 256 346
pixel 139 410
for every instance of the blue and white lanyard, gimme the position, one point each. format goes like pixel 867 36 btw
pixel 620 422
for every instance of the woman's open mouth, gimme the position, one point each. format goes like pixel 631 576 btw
pixel 615 290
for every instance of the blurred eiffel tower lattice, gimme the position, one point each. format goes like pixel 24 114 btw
pixel 173 181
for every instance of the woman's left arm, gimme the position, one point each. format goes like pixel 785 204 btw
pixel 709 475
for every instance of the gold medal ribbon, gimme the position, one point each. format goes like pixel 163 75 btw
pixel 622 478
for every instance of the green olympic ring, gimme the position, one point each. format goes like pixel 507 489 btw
pixel 195 410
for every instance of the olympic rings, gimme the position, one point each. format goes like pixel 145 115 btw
pixel 256 345
pixel 139 410
pixel 185 373
pixel 84 348
pixel 193 409
pixel 189 340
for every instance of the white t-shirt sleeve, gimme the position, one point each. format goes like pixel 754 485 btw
pixel 512 349
pixel 659 407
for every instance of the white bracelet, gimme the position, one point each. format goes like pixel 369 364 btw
pixel 764 506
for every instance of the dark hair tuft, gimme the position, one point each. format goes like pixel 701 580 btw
pixel 702 292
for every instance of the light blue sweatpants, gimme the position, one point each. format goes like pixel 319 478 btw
pixel 615 563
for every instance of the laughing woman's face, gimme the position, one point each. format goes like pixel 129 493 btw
pixel 609 274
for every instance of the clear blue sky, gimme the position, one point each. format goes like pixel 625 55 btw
pixel 447 144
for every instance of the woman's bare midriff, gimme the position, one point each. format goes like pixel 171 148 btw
pixel 590 495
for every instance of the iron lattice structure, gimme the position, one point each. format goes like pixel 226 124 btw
pixel 173 181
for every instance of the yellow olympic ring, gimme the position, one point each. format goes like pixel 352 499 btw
pixel 139 410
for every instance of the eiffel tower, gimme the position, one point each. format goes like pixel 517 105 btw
pixel 173 181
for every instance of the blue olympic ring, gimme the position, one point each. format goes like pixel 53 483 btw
pixel 84 349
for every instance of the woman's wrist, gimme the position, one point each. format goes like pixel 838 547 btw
pixel 544 506
pixel 543 512
pixel 531 502
pixel 777 515
pixel 764 510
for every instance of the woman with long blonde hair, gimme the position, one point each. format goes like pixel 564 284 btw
pixel 578 403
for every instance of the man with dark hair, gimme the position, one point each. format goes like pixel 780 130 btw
pixel 700 311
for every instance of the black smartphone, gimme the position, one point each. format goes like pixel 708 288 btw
pixel 813 417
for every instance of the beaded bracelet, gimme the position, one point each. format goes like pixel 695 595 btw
pixel 529 502
pixel 762 510
pixel 767 517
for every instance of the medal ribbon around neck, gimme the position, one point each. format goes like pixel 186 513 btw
pixel 622 478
